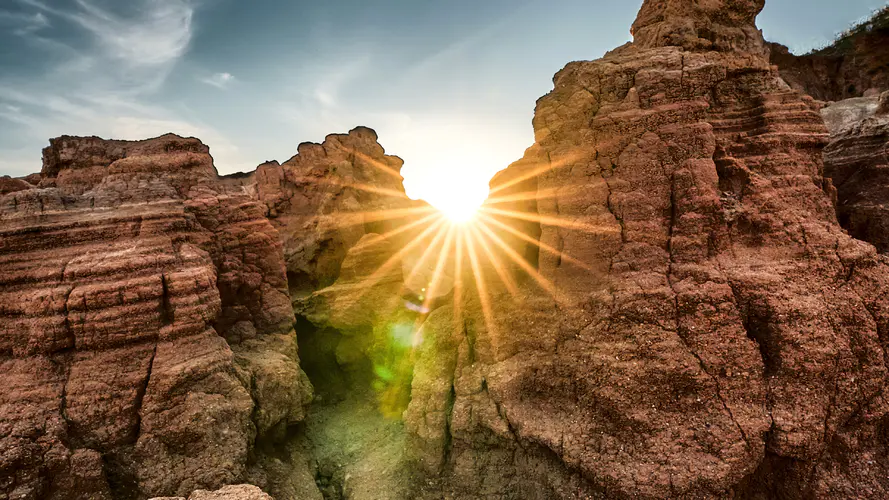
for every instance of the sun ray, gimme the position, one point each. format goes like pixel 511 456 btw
pixel 403 229
pixel 439 269
pixel 528 268
pixel 394 193
pixel 507 280
pixel 481 288
pixel 426 253
pixel 540 244
pixel 379 165
pixel 549 220
pixel 536 172
pixel 458 280
pixel 523 196
pixel 370 281
pixel 393 213
pixel 416 241
pixel 432 288
pixel 346 219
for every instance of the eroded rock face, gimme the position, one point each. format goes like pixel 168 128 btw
pixel 146 336
pixel 857 160
pixel 721 336
pixel 147 326
pixel 678 313
pixel 854 64
pixel 9 184
pixel 708 25
pixel 326 198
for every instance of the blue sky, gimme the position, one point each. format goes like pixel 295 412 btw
pixel 449 86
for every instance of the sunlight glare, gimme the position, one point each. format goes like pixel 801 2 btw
pixel 458 198
pixel 458 210
pixel 453 175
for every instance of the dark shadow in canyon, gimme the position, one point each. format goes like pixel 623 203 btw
pixel 353 434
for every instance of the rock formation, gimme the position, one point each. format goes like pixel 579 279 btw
pixel 857 160
pixel 238 492
pixel 658 300
pixel 855 63
pixel 724 336
pixel 147 335
pixel 326 198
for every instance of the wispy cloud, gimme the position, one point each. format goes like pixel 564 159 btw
pixel 219 80
pixel 105 80
pixel 159 35
pixel 138 51
pixel 22 24
pixel 332 78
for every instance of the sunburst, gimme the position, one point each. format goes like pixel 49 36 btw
pixel 461 251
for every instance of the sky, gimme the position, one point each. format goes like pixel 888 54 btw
pixel 449 86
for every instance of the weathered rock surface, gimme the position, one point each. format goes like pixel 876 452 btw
pixel 326 198
pixel 678 313
pixel 147 323
pixel 233 492
pixel 855 63
pixel 724 336
pixel 146 336
pixel 857 160
pixel 9 184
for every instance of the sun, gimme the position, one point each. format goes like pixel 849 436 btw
pixel 459 202
pixel 455 182
pixel 458 210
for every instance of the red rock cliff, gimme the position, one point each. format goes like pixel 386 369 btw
pixel 146 322
pixel 145 325
pixel 723 337
pixel 857 161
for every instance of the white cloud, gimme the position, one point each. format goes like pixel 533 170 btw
pixel 40 116
pixel 219 80
pixel 321 103
pixel 330 79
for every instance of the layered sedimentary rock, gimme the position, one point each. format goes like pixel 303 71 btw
pixel 705 327
pixel 857 160
pixel 855 63
pixel 326 198
pixel 147 332
pixel 146 339
pixel 658 300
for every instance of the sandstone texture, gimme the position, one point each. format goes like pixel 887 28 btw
pixel 146 323
pixel 326 198
pixel 235 492
pixel 676 293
